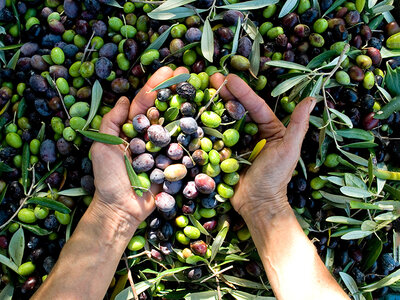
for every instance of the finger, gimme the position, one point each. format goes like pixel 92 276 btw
pixel 260 112
pixel 216 81
pixel 181 70
pixel 144 99
pixel 112 121
pixel 298 125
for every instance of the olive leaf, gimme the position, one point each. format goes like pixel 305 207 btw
pixel 245 283
pixel 161 39
pixel 343 220
pixel 17 246
pixel 69 226
pixel 388 109
pixel 73 192
pixel 373 249
pixel 40 135
pixel 342 117
pixel 11 47
pixel 288 65
pixel 336 4
pixel 7 292
pixel 25 166
pixel 49 203
pixel 198 225
pixel 172 127
pixel 174 13
pixel 8 263
pixel 392 80
pixel 170 4
pixel 133 178
pixel 355 192
pixel 384 93
pixel 361 145
pixel 356 234
pixel 21 108
pixel 113 3
pixel 378 9
pixel 3 193
pixel 355 158
pixel 219 239
pixel 2 54
pixel 212 132
pixel 4 167
pixel 207 41
pixel 373 24
pixel 249 5
pixel 386 53
pixel 102 137
pixel 97 93
pixel 395 193
pixel 183 49
pixel 386 281
pixel 303 167
pixel 252 30
pixel 321 58
pixel 255 55
pixel 34 229
pixel 16 15
pixel 235 42
pixel 337 198
pixel 350 284
pixel 287 85
pixel 317 87
pixel 354 181
pixel 204 295
pixel 288 7
pixel 171 81
pixel 356 133
pixel 363 205
pixel 13 61
pixel 171 114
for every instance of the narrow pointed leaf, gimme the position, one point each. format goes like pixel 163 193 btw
pixel 102 137
pixel 336 4
pixel 13 61
pixel 73 192
pixel 255 56
pixel 287 65
pixel 7 292
pixel 133 178
pixel 50 203
pixel 212 132
pixel 11 47
pixel 287 85
pixel 174 13
pixel 219 239
pixel 288 7
pixel 249 5
pixel 355 235
pixel 4 167
pixel 160 40
pixel 343 220
pixel 35 229
pixel 207 41
pixel 169 82
pixel 235 42
pixel 97 93
pixel 388 109
pixel 8 263
pixel 48 174
pixel 170 4
pixel 198 225
pixel 257 149
pixel 17 246
pixel 25 166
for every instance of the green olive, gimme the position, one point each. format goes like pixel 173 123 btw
pixel 225 190
pixel 79 109
pixel 181 221
pixel 191 232
pixel 14 140
pixel 26 268
pixel 27 215
pixel 182 238
pixel 64 219
pixel 149 56
pixel 62 85
pixel 229 165
pixel 210 119
pixel 57 56
pixel 136 243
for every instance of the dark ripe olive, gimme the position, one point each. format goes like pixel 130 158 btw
pixel 87 183
pixel 303 47
pixel 193 35
pixel 367 103
pixel 244 47
pixel 143 163
pixel 357 41
pixel 224 34
pixel 199 66
pixel 194 273
pixel 142 37
pixel 356 73
pixel 281 40
pixel 49 261
pixel 24 64
pixel 64 147
pixel 82 27
pixel 387 262
pixel 109 50
pixel 188 109
pixel 71 8
pixel 84 93
pixel 392 28
pixel 263 61
pixel 358 275
pixel 157 134
pixel 366 32
pixel 56 26
pixel 289 56
pixel 130 49
pixel 29 284
pixel 173 187
pixel 58 71
pixel 186 90
pixel 164 94
pixel 303 59
pixel 309 16
pixel 290 20
pixel 92 5
pixel 352 17
pixel 301 184
pixel 15 190
pixel 103 67
pixel 348 95
pixel 235 109
pixel 162 162
pixel 375 42
pixel 354 115
pixel 99 28
pixel 302 30
pixel 356 254
pixel 38 63
pixel 325 4
pixel 341 12
pixel 120 85
pixel 175 45
pixel 340 32
pixel 375 56
pixel 378 80
pixel 231 17
pixel 253 269
pixel 164 52
pixel 335 21
pixel 38 83
pixel 369 122
pixel 29 49
pixel 199 247
pixel 204 3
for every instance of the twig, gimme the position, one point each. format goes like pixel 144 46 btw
pixel 87 47
pixel 61 98
pixel 204 108
pixel 138 255
pixel 130 278
pixel 195 11
pixel 217 273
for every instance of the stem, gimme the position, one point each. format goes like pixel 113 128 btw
pixel 130 278
pixel 204 108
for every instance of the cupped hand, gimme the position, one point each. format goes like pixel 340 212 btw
pixel 264 184
pixel 113 188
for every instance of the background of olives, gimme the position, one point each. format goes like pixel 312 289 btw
pixel 53 52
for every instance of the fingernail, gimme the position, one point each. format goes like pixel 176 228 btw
pixel 121 100
pixel 312 105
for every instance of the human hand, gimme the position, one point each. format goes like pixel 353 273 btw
pixel 264 184
pixel 113 188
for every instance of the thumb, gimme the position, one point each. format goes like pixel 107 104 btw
pixel 112 121
pixel 298 125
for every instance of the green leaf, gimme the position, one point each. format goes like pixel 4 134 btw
pixel 25 166
pixel 69 226
pixel 8 263
pixel 170 4
pixel 355 158
pixel 317 87
pixel 303 167
pixel 34 229
pixel 384 93
pixel 235 42
pixel 207 41
pixel 13 61
pixel 195 259
pixel 198 225
pixel 363 205
pixel 113 3
pixel 287 85
pixel 386 281
pixel 97 93
pixel 169 82
pixel 321 58
pixel 3 193
pixel 343 232
pixel 4 167
pixel 392 80
pixel 355 192
pixel 287 65
pixel 382 9
pixel 252 30
pixel 388 109
pixel 255 55
pixel 342 117
pixel 174 13
pixel 16 15
pixel 102 137
pixel 171 114
pixel 288 7
pixel 17 246
pixel 160 40
pixel 343 220
pixel 245 283
pixel 361 145
pixel 45 176
pixel 11 47
pixel 21 108
pixel 336 4
pixel 183 49
pixel 212 132
pixel 316 121
pixel 373 24
pixel 133 178
pixel 50 203
pixel 73 192
pixel 350 284
pixel 334 179
pixel 41 132
pixel 219 239
pixel 7 292
pixel 249 5
pixel 356 133
pixel 372 250
pixel 172 127
pixel 337 198
pixel 356 234
pixel 386 53
pixel 370 171
pixel 395 193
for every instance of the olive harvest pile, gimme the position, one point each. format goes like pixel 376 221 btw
pixel 64 64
